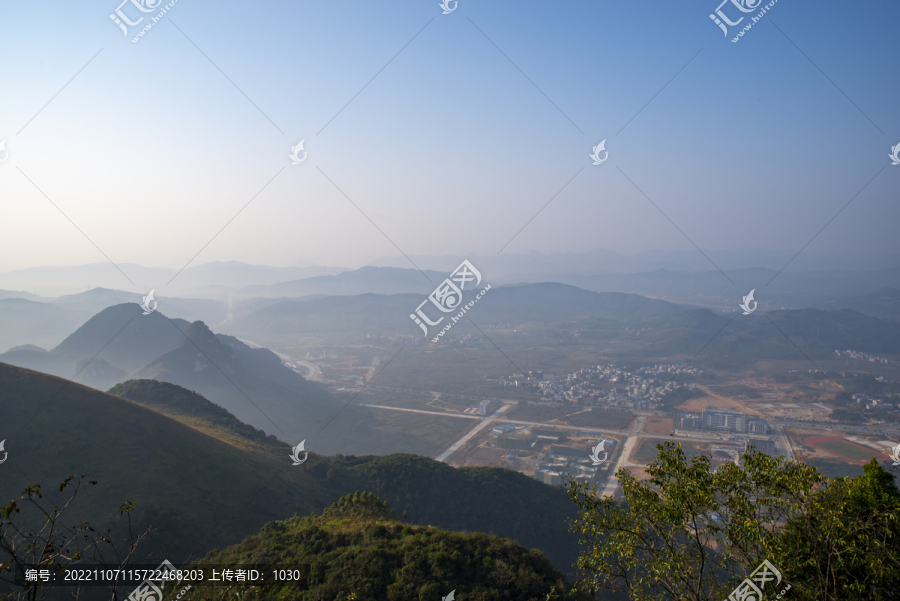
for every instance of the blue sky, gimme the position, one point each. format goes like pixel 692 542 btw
pixel 150 150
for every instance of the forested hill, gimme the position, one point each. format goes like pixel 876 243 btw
pixel 356 549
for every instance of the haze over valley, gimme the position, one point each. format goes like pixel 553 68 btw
pixel 449 301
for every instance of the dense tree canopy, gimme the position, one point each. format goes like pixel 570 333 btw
pixel 691 532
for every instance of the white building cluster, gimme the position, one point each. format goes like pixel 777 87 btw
pixel 607 385
pixel 859 355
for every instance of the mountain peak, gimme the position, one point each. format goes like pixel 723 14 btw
pixel 199 332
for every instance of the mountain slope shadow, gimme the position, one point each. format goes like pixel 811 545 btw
pixel 202 491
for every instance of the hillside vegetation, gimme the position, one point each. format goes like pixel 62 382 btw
pixel 203 485
pixel 190 408
pixel 357 550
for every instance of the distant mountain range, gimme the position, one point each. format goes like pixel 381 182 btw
pixel 523 266
pixel 883 303
pixel 121 343
pixel 199 280
pixel 45 322
pixel 238 288
pixel 112 343
pixel 389 314
pixel 827 289
pixel 372 280
pixel 667 329
pixel 798 334
pixel 204 481
pixel 25 321
pixel 709 288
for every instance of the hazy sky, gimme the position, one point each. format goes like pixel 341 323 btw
pixel 150 150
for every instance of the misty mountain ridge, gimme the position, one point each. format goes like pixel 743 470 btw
pixel 251 383
pixel 121 343
pixel 26 321
pixel 54 281
pixel 884 303
pixel 374 280
pixel 113 342
pixel 602 261
pixel 48 321
pixel 548 310
pixel 380 314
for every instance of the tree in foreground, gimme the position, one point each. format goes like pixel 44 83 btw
pixel 766 526
pixel 46 538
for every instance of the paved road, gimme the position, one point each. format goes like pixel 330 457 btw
pixel 313 372
pixel 785 443
pixel 472 433
pixel 507 421
pixel 229 317
pixel 444 394
pixel 612 485
pixel 435 413
pixel 887 429
pixel 616 433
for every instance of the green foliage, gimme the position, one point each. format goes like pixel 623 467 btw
pixel 693 533
pixel 491 500
pixel 356 550
pixel 846 543
pixel 175 401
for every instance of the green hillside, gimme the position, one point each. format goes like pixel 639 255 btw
pixel 192 409
pixel 744 338
pixel 474 499
pixel 204 486
pixel 357 549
